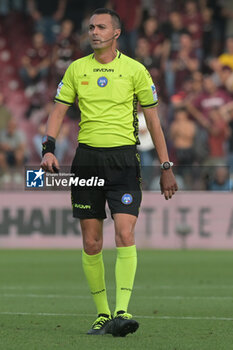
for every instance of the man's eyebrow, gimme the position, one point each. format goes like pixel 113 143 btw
pixel 97 25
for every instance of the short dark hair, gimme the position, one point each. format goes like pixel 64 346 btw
pixel 113 14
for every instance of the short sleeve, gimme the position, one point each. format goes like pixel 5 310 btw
pixel 144 88
pixel 66 93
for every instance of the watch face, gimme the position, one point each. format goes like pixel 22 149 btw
pixel 166 165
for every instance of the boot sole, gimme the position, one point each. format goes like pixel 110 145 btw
pixel 126 328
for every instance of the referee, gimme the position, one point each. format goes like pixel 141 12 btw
pixel 108 85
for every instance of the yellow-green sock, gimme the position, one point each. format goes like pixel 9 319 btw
pixel 126 265
pixel 93 266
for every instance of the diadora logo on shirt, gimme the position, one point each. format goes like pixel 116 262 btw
pixel 103 70
pixel 102 81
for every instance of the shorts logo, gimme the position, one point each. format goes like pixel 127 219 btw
pixel 102 81
pixel 127 199
pixel 59 88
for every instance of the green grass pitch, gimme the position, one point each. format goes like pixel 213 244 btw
pixel 183 300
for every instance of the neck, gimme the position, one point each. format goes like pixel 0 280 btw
pixel 105 56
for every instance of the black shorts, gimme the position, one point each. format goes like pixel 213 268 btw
pixel 119 168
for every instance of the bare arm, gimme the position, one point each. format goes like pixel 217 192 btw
pixel 33 10
pixel 167 180
pixel 52 129
pixel 59 14
pixel 199 116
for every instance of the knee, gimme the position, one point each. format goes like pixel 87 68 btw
pixel 92 245
pixel 125 238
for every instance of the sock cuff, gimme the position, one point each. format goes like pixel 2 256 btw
pixel 91 259
pixel 126 252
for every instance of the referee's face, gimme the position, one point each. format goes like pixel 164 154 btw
pixel 101 31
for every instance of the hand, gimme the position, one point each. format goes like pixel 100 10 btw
pixel 50 163
pixel 168 184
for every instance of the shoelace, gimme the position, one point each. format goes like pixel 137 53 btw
pixel 100 322
pixel 125 316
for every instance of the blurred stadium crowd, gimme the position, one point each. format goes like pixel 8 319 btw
pixel 186 45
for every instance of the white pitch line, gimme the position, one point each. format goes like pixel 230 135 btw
pixel 147 287
pixel 210 318
pixel 59 296
pixel 46 296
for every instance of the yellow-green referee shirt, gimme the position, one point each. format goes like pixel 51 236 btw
pixel 107 96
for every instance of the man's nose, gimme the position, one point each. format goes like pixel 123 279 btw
pixel 95 31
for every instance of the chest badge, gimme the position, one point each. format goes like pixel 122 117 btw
pixel 102 81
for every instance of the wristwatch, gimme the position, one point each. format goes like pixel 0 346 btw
pixel 166 165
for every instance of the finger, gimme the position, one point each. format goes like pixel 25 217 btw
pixel 44 166
pixel 56 164
pixel 161 188
pixel 47 166
pixel 174 191
pixel 166 194
pixel 50 167
pixel 170 194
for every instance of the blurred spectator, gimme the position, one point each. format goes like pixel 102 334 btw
pixel 208 37
pixel 158 48
pixel 143 54
pixel 152 33
pixel 75 10
pixel 64 51
pixel 226 78
pixel 227 113
pixel 173 30
pixel 12 150
pixel 226 58
pixel 182 135
pixel 230 145
pixel 221 180
pixel 36 62
pixel 162 9
pixel 5 114
pixel 220 15
pixel 196 86
pixel 11 5
pixel 130 12
pixel 182 65
pixel 210 98
pixel 47 15
pixel 193 22
pixel 38 118
pixel 218 134
pixel 62 143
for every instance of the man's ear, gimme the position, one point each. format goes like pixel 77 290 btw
pixel 117 33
